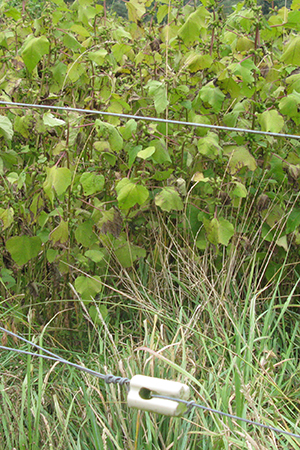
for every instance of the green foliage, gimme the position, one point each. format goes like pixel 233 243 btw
pixel 86 189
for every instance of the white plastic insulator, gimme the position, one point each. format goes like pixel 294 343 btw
pixel 142 387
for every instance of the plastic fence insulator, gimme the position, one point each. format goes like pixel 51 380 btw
pixel 140 395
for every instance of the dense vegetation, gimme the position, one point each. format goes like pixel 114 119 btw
pixel 119 233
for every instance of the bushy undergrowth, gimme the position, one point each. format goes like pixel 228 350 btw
pixel 149 247
pixel 188 323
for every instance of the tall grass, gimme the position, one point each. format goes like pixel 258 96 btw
pixel 224 332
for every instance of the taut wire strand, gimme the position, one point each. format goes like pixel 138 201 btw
pixel 109 378
pixel 150 119
pixel 52 356
pixel 193 404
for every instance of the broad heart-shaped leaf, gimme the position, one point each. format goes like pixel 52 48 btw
pixel 271 121
pixel 88 287
pixel 136 9
pixel 238 158
pixel 98 57
pixel 6 128
pixel 58 179
pixel 291 53
pixel 209 145
pixel 190 30
pixel 109 132
pixel 289 105
pixel 158 91
pixel 95 255
pixel 168 199
pixel 213 96
pixel 127 253
pixel 91 183
pixel 129 194
pixel 196 61
pixel 84 234
pixel 33 51
pixel 23 248
pixel 128 130
pixel 219 231
pixel 60 233
pixel 51 121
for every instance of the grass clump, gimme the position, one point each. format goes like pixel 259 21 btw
pixel 184 320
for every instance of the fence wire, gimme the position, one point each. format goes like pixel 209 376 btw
pixel 150 119
pixel 109 378
pixel 120 380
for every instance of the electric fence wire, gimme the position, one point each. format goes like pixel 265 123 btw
pixel 126 381
pixel 149 119
pixel 111 378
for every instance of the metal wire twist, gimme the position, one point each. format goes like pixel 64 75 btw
pixel 109 378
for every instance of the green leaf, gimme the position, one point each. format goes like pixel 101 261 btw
pixel 293 221
pixel 109 132
pixel 239 190
pixel 84 234
pixel 273 216
pixel 6 128
pixel 209 145
pixel 23 248
pixel 14 13
pixel 33 51
pixel 128 130
pixel 75 70
pixel 136 9
pixel 219 231
pixel 168 199
pixel 161 155
pixel 51 254
pixel 80 30
pixel 132 153
pixel 239 157
pixel 6 217
pixel 146 153
pixel 7 278
pixel 88 287
pixel 129 194
pixel 58 180
pixel 158 91
pixel 162 11
pixel 127 254
pixel 98 57
pixel 51 121
pixel 271 121
pixel 291 53
pixel 60 233
pixel 70 42
pixel 95 255
pixel 213 96
pixel 289 105
pixel 197 61
pixel 94 313
pixel 91 183
pixel 190 30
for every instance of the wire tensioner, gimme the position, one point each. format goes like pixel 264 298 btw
pixel 142 389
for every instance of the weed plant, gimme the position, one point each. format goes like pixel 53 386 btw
pixel 181 320
pixel 165 250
